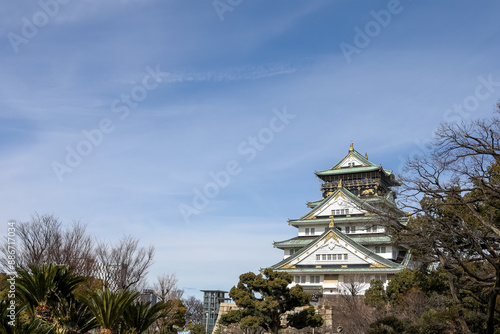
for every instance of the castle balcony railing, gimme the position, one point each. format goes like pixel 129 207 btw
pixel 352 183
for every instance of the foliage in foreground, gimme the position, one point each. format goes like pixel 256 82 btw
pixel 52 299
pixel 264 298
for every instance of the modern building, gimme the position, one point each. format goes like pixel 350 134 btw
pixel 342 243
pixel 148 295
pixel 212 299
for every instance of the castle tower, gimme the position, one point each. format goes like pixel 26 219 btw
pixel 342 244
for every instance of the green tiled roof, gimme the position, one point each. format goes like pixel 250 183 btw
pixel 342 270
pixel 338 220
pixel 358 156
pixel 346 239
pixel 368 166
pixel 295 242
pixel 361 203
pixel 314 204
pixel 350 170
pixel 366 240
pixel 359 238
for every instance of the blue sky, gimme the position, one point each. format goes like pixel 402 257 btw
pixel 118 113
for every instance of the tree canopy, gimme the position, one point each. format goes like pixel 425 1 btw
pixel 264 299
pixel 453 191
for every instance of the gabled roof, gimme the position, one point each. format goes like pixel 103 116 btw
pixel 362 165
pixel 314 204
pixel 338 220
pixel 341 191
pixel 357 156
pixel 334 238
pixel 294 242
pixel 364 239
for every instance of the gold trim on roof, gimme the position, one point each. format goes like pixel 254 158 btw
pixel 332 223
pixel 339 194
pixel 378 265
pixel 329 236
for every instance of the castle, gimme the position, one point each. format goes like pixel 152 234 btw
pixel 342 242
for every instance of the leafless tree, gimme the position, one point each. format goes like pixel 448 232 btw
pixel 165 288
pixel 124 266
pixel 353 285
pixel 351 313
pixel 194 310
pixel 454 193
pixel 43 239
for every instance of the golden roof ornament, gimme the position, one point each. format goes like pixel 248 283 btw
pixel 332 223
pixel 351 148
pixel 340 183
pixel 366 156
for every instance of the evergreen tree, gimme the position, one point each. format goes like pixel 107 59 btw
pixel 263 300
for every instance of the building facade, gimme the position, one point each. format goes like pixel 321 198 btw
pixel 342 242
pixel 212 299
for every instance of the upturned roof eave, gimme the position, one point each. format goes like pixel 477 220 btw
pixel 361 203
pixel 343 270
pixel 362 249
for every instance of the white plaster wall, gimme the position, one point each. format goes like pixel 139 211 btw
pixel 352 258
pixel 351 159
pixel 388 251
pixel 339 203
pixel 318 230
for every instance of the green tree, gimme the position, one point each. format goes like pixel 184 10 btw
pixel 392 325
pixel 42 288
pixel 266 297
pixel 375 295
pixel 453 191
pixel 21 326
pixel 139 316
pixel 305 318
pixel 195 328
pixel 109 307
pixel 73 317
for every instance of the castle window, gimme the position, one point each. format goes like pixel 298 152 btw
pixel 307 230
pixel 314 279
pixel 350 229
pixel 380 249
pixel 312 230
pixel 331 257
pixel 300 279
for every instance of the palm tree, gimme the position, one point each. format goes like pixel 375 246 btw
pixel 73 317
pixel 140 316
pixel 41 288
pixel 108 308
pixel 20 327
